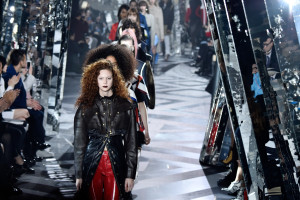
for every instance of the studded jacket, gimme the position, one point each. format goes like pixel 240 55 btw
pixel 109 122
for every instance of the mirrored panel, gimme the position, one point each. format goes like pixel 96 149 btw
pixel 220 33
pixel 262 34
pixel 280 15
pixel 241 55
pixel 31 25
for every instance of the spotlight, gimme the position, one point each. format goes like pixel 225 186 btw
pixel 12 8
pixel 84 5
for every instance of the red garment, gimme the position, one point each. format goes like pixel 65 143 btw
pixel 205 22
pixel 113 31
pixel 188 14
pixel 104 179
pixel 212 138
pixel 201 13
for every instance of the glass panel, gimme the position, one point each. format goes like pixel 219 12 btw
pixel 231 79
pixel 31 25
pixel 273 89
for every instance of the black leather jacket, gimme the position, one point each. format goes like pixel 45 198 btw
pixel 109 122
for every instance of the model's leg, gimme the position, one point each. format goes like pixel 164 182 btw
pixel 167 47
pixel 111 190
pixel 96 187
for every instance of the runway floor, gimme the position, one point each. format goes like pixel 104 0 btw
pixel 169 166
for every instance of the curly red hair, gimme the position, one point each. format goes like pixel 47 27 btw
pixel 89 84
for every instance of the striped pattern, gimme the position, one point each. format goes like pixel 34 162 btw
pixel 169 166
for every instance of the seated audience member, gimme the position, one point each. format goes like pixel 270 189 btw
pixel 28 80
pixel 7 187
pixel 35 138
pixel 15 140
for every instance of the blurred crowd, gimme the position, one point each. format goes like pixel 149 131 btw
pixel 153 21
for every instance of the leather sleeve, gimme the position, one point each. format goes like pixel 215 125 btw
pixel 131 147
pixel 80 141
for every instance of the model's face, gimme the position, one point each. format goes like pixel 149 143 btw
pixel 132 16
pixel 133 5
pixel 105 82
pixel 143 9
pixel 268 44
pixel 123 14
pixel 112 59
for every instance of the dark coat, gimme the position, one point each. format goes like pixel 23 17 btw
pixel 20 101
pixel 109 122
pixel 168 13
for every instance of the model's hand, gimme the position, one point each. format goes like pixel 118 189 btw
pixel 147 138
pixel 154 50
pixel 129 183
pixel 21 114
pixel 14 80
pixel 78 183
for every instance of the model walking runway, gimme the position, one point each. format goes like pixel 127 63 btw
pixel 169 166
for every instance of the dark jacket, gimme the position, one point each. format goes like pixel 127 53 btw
pixel 107 123
pixel 168 13
pixel 20 101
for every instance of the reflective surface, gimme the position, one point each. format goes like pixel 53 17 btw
pixel 39 27
pixel 231 77
pixel 260 33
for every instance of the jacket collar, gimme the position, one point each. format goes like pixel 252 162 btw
pixel 100 98
pixel 106 97
pixel 11 70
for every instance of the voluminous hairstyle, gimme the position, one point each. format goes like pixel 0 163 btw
pixel 125 58
pixel 89 83
pixel 128 23
pixel 15 56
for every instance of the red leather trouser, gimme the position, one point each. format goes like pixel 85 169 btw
pixel 104 185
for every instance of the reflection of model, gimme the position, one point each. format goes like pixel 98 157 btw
pixel 105 134
pixel 168 13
